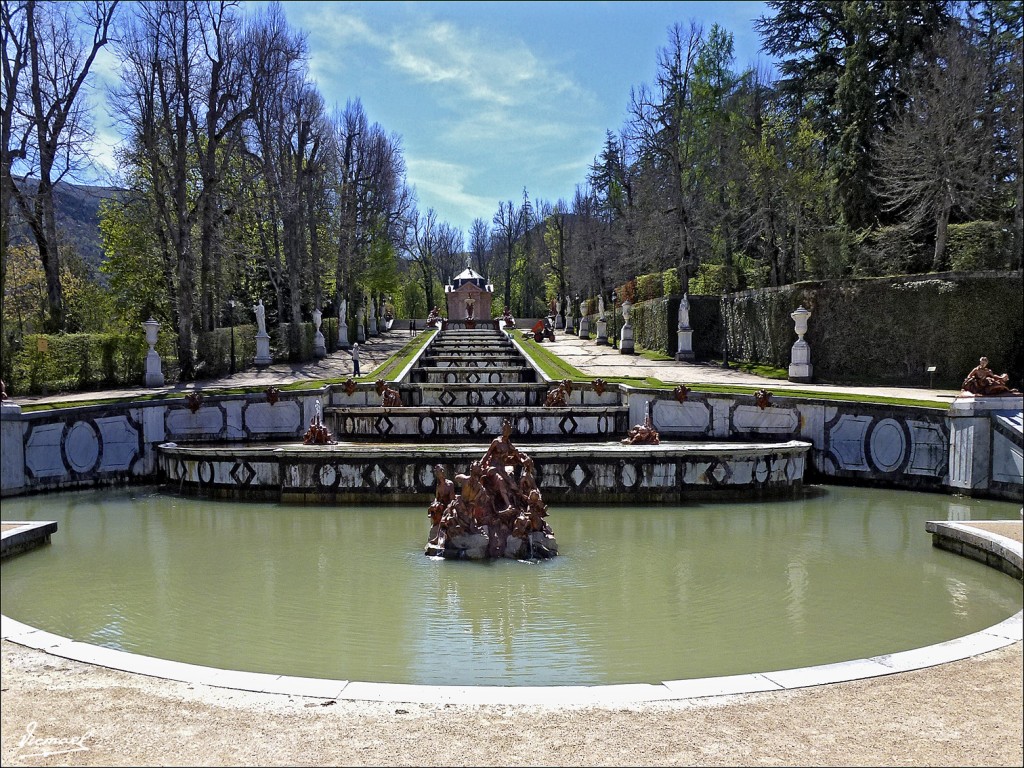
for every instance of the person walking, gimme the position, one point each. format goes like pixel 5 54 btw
pixel 355 359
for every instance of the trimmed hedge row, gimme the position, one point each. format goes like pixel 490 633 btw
pixel 866 331
pixel 77 361
pixel 887 330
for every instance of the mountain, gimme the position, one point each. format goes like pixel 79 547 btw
pixel 78 220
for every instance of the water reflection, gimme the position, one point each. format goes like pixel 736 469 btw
pixel 636 594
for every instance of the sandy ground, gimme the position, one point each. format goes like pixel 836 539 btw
pixel 964 713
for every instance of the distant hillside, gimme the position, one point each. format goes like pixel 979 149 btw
pixel 77 219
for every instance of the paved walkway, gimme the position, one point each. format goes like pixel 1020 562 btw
pixel 585 354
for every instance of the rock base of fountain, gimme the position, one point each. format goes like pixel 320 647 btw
pixel 498 513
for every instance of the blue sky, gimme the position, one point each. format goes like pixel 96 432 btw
pixel 492 97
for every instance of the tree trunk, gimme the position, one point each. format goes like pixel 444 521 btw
pixel 941 226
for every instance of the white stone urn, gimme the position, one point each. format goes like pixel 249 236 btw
pixel 319 342
pixel 154 373
pixel 800 368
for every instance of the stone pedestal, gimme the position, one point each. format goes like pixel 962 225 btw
pixel 684 344
pixel 986 445
pixel 343 342
pixel 373 324
pixel 559 322
pixel 570 322
pixel 602 331
pixel 626 340
pixel 263 349
pixel 584 327
pixel 12 457
pixel 154 374
pixel 800 368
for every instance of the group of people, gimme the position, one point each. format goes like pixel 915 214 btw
pixel 499 493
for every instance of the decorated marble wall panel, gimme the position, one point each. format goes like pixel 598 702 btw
pixel 81 446
pixel 1008 450
pixel 884 445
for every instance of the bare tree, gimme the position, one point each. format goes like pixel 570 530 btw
pixel 480 245
pixel 509 227
pixel 15 131
pixel 157 99
pixel 663 127
pixel 59 46
pixel 423 246
pixel 932 163
pixel 226 89
pixel 449 257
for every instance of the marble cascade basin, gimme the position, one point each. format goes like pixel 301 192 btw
pixel 580 473
pixel 477 423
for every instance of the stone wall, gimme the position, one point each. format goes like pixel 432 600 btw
pixel 975 450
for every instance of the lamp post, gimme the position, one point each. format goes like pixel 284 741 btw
pixel 579 320
pixel 615 322
pixel 231 322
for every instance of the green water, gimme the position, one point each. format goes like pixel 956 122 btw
pixel 636 595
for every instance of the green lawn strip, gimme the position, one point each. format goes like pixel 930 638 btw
pixel 394 364
pixel 557 368
pixel 397 362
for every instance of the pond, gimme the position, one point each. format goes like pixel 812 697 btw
pixel 636 595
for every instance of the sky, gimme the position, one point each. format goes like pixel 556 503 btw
pixel 489 98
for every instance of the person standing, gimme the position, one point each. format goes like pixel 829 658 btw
pixel 355 359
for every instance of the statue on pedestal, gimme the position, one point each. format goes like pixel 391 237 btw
pixel 684 312
pixel 983 381
pixel 261 318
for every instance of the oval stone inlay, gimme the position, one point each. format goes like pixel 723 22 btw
pixel 888 445
pixel 82 447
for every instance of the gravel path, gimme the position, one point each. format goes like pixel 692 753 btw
pixel 964 713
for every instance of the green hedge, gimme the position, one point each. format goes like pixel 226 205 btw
pixel 78 361
pixel 86 361
pixel 886 330
pixel 213 350
pixel 867 331
pixel 978 245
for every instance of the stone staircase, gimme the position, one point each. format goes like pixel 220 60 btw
pixel 465 384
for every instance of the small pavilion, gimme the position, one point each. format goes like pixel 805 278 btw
pixel 469 298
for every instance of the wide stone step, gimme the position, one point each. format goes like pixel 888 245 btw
pixel 496 375
pixel 472 349
pixel 471 361
pixel 476 423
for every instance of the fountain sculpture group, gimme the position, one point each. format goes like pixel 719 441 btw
pixel 499 511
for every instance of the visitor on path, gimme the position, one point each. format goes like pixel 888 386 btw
pixel 355 359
